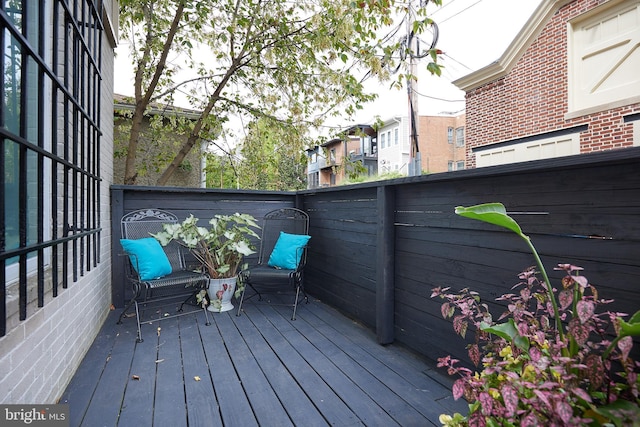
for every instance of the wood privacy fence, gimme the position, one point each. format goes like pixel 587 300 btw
pixel 378 249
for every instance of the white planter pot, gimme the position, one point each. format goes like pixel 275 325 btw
pixel 221 289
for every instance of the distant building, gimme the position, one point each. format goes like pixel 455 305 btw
pixel 330 163
pixel 568 84
pixel 153 155
pixel 442 143
pixel 393 146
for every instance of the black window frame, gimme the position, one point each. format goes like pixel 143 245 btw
pixel 66 56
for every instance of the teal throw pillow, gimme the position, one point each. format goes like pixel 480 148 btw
pixel 287 252
pixel 147 257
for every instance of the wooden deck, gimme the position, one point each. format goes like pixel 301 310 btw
pixel 321 369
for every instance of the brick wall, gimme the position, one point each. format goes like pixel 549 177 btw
pixel 436 152
pixel 532 98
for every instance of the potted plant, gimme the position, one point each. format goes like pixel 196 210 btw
pixel 220 249
pixel 551 358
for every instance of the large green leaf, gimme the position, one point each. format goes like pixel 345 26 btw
pixel 509 332
pixel 492 213
pixel 632 327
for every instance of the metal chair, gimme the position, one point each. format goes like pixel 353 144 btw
pixel 141 224
pixel 265 279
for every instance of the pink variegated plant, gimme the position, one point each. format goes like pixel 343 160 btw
pixel 533 372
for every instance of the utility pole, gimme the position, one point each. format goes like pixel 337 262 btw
pixel 414 54
pixel 415 161
pixel 415 167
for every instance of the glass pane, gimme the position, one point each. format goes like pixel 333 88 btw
pixel 12 72
pixel 14 11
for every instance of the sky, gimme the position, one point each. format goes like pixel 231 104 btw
pixel 472 34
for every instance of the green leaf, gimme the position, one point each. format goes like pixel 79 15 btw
pixel 509 332
pixel 635 318
pixel 492 213
pixel 631 328
pixel 615 409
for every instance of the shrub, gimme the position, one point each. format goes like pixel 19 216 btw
pixel 533 371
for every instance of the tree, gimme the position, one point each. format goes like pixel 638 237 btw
pixel 272 158
pixel 290 62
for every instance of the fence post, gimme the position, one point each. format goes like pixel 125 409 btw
pixel 385 275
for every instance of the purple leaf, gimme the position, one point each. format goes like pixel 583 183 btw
pixel 458 388
pixel 585 310
pixel 544 397
pixel 565 298
pixel 474 354
pixel 581 393
pixel 625 345
pixel 460 326
pixel 563 410
pixel 444 309
pixel 477 420
pixel 595 370
pixel 486 402
pixel 579 331
pixel 582 281
pixel 510 398
pixel 535 354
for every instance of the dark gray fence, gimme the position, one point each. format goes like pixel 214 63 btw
pixel 377 250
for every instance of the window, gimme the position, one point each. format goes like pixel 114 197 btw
pixel 332 155
pixel 49 147
pixel 396 137
pixel 460 137
pixel 314 180
pixel 603 58
pixel 460 165
pixel 382 140
pixel 450 165
pixel 450 135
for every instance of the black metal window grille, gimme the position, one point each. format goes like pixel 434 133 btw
pixel 49 148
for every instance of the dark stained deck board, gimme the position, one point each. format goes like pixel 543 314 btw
pixel 264 401
pixel 322 369
pixel 297 405
pixel 170 408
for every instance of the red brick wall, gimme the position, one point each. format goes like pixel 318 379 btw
pixel 435 150
pixel 532 98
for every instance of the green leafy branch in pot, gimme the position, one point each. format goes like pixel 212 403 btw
pixel 534 371
pixel 220 248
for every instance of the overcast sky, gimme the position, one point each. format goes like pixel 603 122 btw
pixel 472 34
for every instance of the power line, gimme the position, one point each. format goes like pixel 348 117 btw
pixel 436 98
pixel 458 13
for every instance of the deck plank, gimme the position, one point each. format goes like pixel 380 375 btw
pixel 234 405
pixel 85 380
pixel 294 401
pixel 170 407
pixel 321 369
pixel 264 401
pixel 405 375
pixel 328 403
pixel 203 406
pixel 106 402
pixel 397 410
pixel 139 392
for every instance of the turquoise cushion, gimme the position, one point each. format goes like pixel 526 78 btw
pixel 287 252
pixel 147 257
